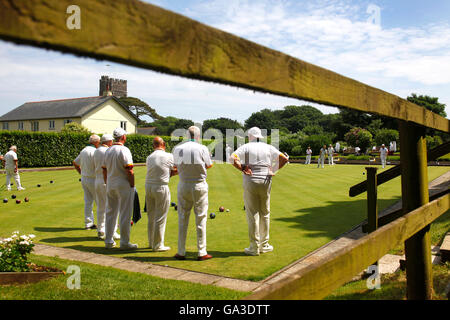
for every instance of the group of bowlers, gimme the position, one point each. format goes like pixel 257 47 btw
pixel 324 151
pixel 106 168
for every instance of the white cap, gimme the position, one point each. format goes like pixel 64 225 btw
pixel 255 132
pixel 118 132
pixel 107 137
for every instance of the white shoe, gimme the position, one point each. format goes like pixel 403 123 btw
pixel 8 189
pixel 266 248
pixel 128 246
pixel 20 188
pixel 251 252
pixel 110 245
pixel 116 236
pixel 161 249
pixel 101 235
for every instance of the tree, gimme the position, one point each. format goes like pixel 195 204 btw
pixel 74 127
pixel 359 137
pixel 430 103
pixel 316 142
pixel 221 124
pixel 167 125
pixel 140 109
pixel 263 119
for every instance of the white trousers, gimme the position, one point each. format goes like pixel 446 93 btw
pixel 257 207
pixel 157 198
pixel 100 199
pixel 308 159
pixel 11 174
pixel 88 185
pixel 192 195
pixel 321 162
pixel 330 160
pixel 383 162
pixel 119 205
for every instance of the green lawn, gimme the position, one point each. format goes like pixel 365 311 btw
pixel 104 283
pixel 309 208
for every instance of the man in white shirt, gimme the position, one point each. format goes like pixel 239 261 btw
pixel 322 153
pixel 100 185
pixel 308 155
pixel 383 155
pixel 228 151
pixel 10 162
pixel 330 155
pixel 259 162
pixel 192 159
pixel 119 178
pixel 160 167
pixel 85 166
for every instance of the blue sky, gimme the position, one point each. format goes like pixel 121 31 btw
pixel 408 51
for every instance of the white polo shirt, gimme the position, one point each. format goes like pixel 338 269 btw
pixel 383 152
pixel 9 158
pixel 86 161
pixel 99 157
pixel 192 159
pixel 159 165
pixel 259 156
pixel 117 158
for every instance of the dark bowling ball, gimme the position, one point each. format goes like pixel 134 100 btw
pixel 26 199
pixel 212 215
pixel 18 201
pixel 176 207
pixel 5 200
pixel 38 185
pixel 13 196
pixel 51 181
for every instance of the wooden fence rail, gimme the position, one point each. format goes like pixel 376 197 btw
pixel 146 36
pixel 322 277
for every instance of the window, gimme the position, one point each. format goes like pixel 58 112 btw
pixel 35 126
pixel 20 125
pixel 51 124
pixel 5 125
pixel 123 125
pixel 67 121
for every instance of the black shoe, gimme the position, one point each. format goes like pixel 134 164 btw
pixel 178 257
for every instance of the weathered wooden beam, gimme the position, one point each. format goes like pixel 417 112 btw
pixel 372 195
pixel 146 36
pixel 329 273
pixel 419 276
pixel 398 213
pixel 394 172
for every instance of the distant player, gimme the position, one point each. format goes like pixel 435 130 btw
pixel 308 155
pixel 383 155
pixel 330 155
pixel 10 162
pixel 322 153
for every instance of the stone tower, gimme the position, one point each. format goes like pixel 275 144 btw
pixel 117 87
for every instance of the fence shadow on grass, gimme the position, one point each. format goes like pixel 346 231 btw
pixel 333 218
pixel 68 239
pixel 56 229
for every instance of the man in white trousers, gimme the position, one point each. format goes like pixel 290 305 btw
pixel 192 159
pixel 119 178
pixel 85 166
pixel 10 162
pixel 258 162
pixel 322 153
pixel 383 155
pixel 160 167
pixel 100 185
pixel 330 155
pixel 308 155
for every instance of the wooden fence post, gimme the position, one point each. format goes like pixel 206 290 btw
pixel 372 206
pixel 413 156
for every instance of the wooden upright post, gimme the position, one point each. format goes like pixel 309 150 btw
pixel 372 206
pixel 413 155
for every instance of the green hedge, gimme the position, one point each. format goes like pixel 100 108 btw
pixel 50 149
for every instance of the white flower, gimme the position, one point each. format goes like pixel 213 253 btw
pixel 7 240
pixel 1 253
pixel 23 237
pixel 32 236
pixel 16 232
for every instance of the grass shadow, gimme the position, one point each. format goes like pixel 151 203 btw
pixel 69 239
pixel 320 221
pixel 57 229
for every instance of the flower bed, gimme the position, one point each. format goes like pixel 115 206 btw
pixel 14 264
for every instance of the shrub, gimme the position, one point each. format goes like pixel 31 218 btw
pixel 316 142
pixel 75 127
pixel 359 137
pixel 287 144
pixel 386 136
pixel 297 150
pixel 14 251
pixel 433 142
